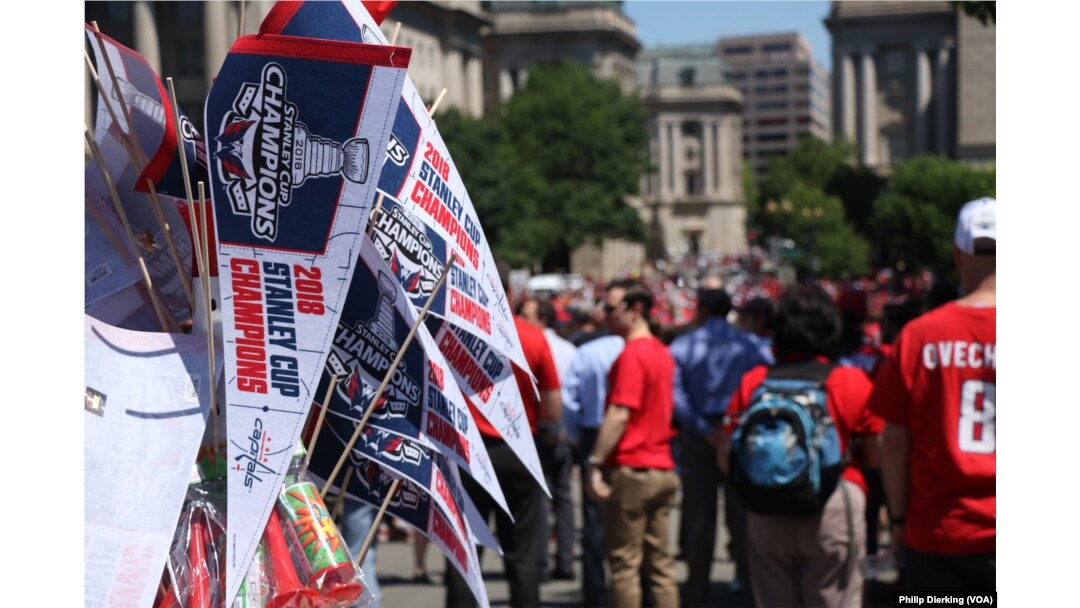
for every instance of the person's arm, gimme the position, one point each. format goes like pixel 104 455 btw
pixel 688 419
pixel 896 451
pixel 611 431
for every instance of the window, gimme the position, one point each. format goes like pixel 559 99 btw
pixel 773 47
pixel 780 88
pixel 736 76
pixel 739 50
pixel 686 77
pixel 780 73
pixel 760 74
pixel 693 183
pixel 895 62
pixel 772 121
pixel 762 90
pixel 772 105
pixel 772 137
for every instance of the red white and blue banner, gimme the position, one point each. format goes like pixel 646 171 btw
pixel 422 401
pixel 151 111
pixel 426 217
pixel 291 127
pixel 146 404
pixel 415 506
pixel 407 458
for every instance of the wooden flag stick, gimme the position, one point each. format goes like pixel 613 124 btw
pixel 389 374
pixel 100 221
pixel 370 538
pixel 379 202
pixel 435 106
pixel 375 214
pixel 204 274
pixel 240 26
pixel 138 160
pixel 341 497
pixel 397 30
pixel 319 423
pixel 180 145
pixel 127 226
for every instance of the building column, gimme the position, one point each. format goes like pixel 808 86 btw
pixel 664 164
pixel 216 41
pixel 941 90
pixel 453 72
pixel 922 99
pixel 848 111
pixel 708 158
pixel 869 109
pixel 506 85
pixel 475 86
pixel 677 153
pixel 146 38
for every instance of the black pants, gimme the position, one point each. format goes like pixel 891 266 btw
pixel 700 481
pixel 557 460
pixel 593 585
pixel 955 574
pixel 524 540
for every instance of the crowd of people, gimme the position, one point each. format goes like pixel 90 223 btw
pixel 816 410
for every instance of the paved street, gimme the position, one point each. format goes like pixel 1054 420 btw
pixel 395 573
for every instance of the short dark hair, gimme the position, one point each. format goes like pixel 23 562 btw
pixel 806 322
pixel 545 311
pixel 639 295
pixel 713 303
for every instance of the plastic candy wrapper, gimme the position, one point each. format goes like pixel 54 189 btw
pixel 301 561
pixel 195 573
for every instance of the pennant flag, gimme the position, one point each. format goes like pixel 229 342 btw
pixel 421 402
pixel 291 124
pixel 371 483
pixel 107 262
pixel 427 216
pixel 155 128
pixel 148 233
pixel 146 403
pixel 429 470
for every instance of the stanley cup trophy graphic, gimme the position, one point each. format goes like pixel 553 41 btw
pixel 382 325
pixel 264 152
pixel 135 98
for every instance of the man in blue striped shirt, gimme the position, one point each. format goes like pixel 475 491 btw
pixel 709 362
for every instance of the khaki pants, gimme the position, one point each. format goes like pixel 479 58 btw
pixel 636 530
pixel 796 561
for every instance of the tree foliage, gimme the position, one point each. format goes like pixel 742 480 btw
pixel 551 170
pixel 814 192
pixel 915 217
pixel 985 12
pixel 578 146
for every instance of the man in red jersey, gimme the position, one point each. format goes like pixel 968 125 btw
pixel 637 484
pixel 937 395
pixel 524 540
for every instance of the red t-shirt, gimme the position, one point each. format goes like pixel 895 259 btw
pixel 939 383
pixel 538 356
pixel 641 379
pixel 846 392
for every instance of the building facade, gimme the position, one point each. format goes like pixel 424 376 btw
pixel 189 40
pixel 596 34
pixel 786 93
pixel 913 78
pixel 693 202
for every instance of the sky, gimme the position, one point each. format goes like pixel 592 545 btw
pixel 670 23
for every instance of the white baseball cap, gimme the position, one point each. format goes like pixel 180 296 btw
pixel 977 220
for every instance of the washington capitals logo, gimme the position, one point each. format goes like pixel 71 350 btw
pixel 383 445
pixel 404 243
pixel 264 152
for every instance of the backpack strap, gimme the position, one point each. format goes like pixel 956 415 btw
pixel 813 370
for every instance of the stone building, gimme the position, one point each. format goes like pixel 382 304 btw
pixel 189 40
pixel 693 203
pixel 913 78
pixel 786 93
